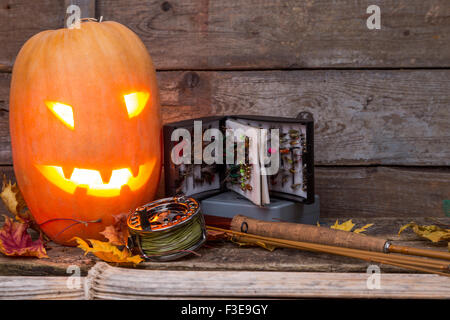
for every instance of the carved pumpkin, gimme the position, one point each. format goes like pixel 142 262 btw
pixel 85 127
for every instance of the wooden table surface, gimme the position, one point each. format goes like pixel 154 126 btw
pixel 245 272
pixel 228 256
pixel 225 271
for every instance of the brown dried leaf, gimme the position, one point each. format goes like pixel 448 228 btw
pixel 213 235
pixel 117 234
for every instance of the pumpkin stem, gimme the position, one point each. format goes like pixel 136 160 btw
pixel 91 19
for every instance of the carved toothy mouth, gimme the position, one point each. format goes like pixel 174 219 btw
pixel 92 181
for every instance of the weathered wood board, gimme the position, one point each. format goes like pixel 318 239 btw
pixel 362 117
pixel 257 34
pixel 382 191
pixel 5 139
pixel 106 282
pixel 40 288
pixel 87 8
pixel 21 19
pixel 372 191
pixel 388 117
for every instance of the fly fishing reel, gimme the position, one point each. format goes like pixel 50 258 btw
pixel 167 229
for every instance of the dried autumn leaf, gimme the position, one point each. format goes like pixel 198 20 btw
pixel 107 252
pixel 266 246
pixel 363 228
pixel 244 242
pixel 83 245
pixel 15 203
pixel 117 234
pixel 431 232
pixel 113 237
pixel 15 241
pixel 213 235
pixel 13 200
pixel 346 226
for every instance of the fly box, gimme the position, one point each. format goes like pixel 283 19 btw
pixel 257 157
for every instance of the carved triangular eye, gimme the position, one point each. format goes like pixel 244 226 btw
pixel 63 112
pixel 136 102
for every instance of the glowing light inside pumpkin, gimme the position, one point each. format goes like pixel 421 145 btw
pixel 92 180
pixel 63 112
pixel 136 102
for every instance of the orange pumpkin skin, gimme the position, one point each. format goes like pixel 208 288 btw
pixel 90 69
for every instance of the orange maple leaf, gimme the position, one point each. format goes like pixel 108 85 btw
pixel 15 241
pixel 107 252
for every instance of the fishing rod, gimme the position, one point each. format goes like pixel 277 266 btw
pixel 321 239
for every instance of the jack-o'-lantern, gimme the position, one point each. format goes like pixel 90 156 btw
pixel 85 127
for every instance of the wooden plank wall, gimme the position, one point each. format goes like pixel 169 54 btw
pixel 381 98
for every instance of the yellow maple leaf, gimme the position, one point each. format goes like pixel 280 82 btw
pixel 346 226
pixel 107 251
pixel 83 245
pixel 363 228
pixel 11 197
pixel 430 232
pixel 245 242
pixel 15 203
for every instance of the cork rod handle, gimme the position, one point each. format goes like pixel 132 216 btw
pixel 307 233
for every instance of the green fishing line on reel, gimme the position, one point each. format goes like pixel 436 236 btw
pixel 167 229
